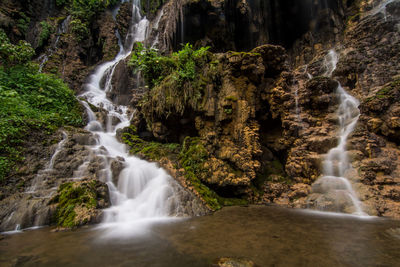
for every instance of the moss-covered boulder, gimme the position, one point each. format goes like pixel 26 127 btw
pixel 79 203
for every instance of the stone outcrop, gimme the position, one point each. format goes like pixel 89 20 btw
pixel 225 116
pixel 277 140
pixel 26 196
pixel 368 69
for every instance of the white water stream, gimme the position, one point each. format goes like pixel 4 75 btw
pixel 39 182
pixel 62 28
pixel 381 8
pixel 143 193
pixel 336 164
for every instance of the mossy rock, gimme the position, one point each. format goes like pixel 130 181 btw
pixel 149 150
pixel 77 203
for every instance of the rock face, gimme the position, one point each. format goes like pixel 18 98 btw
pixel 242 25
pixel 26 198
pixel 368 69
pixel 225 116
pixel 267 122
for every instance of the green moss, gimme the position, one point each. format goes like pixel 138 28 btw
pixel 192 158
pixel 70 196
pixel 23 23
pixel 150 150
pixel 151 6
pixel 31 101
pixel 390 92
pixel 228 111
pixel 45 31
pixel 272 171
pixel 243 54
pixel 232 201
pixel 231 98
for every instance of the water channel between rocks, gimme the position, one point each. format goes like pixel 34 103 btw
pixel 268 235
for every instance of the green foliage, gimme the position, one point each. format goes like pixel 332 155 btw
pixel 228 111
pixel 79 29
pixel 61 2
pixel 149 150
pixel 45 32
pixel 182 66
pixel 151 6
pixel 176 81
pixel 31 100
pixel 87 9
pixel 84 12
pixel 231 98
pixel 153 66
pixel 14 54
pixel 390 92
pixel 192 158
pixel 23 23
pixel 70 196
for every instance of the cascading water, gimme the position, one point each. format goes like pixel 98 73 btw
pixel 41 176
pixel 381 8
pixel 143 192
pixel 62 28
pixel 334 190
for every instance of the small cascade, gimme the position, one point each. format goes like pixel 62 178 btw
pixel 309 76
pixel 34 210
pixel 143 192
pixel 155 28
pixel 295 85
pixel 333 191
pixel 62 28
pixel 40 179
pixel 381 8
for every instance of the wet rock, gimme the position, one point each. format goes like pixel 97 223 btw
pixel 117 165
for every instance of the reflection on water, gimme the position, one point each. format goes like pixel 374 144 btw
pixel 270 236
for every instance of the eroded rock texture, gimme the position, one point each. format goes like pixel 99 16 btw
pixel 268 122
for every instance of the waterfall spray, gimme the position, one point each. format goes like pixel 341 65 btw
pixel 143 192
pixel 333 186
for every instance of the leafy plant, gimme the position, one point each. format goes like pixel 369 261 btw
pixel 29 101
pixel 175 81
pixel 45 32
pixel 181 65
pixel 87 9
pixel 14 54
pixel 23 23
pixel 79 29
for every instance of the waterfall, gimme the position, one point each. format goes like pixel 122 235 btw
pixel 381 8
pixel 62 28
pixel 336 192
pixel 40 178
pixel 143 192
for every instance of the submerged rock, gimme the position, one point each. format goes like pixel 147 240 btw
pixel 233 262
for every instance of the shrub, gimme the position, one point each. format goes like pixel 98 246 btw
pixel 45 32
pixel 31 100
pixel 14 54
pixel 23 23
pixel 181 65
pixel 79 29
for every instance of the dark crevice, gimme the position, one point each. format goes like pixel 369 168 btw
pixel 241 26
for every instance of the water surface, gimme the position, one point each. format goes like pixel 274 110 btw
pixel 268 235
